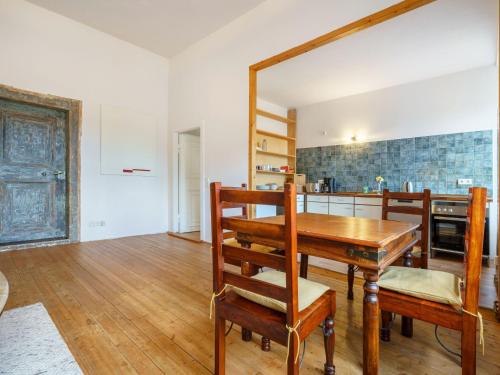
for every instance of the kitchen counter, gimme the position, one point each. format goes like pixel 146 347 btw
pixel 434 197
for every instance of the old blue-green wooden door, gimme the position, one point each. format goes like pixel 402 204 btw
pixel 33 192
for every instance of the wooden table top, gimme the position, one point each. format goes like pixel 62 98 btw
pixel 375 233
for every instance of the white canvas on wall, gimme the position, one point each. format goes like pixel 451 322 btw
pixel 129 142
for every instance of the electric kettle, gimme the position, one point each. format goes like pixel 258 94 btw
pixel 407 187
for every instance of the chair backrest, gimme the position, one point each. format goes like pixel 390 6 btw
pixel 285 234
pixel 405 205
pixel 474 238
pixel 230 205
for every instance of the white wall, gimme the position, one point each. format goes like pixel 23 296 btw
pixel 44 52
pixel 209 81
pixel 454 103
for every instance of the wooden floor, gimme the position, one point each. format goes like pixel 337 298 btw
pixel 141 304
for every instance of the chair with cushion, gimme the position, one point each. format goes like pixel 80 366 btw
pixel 275 303
pixel 407 208
pixel 412 207
pixel 438 297
pixel 247 268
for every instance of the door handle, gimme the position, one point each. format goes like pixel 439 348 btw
pixel 60 175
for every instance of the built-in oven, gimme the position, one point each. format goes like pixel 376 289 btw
pixel 448 223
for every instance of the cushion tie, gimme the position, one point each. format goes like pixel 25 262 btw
pixel 293 330
pixel 212 300
pixel 481 327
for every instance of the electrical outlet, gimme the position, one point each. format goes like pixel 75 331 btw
pixel 99 223
pixel 464 181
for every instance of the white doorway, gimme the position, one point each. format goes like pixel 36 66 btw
pixel 187 185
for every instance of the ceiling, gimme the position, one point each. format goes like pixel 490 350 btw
pixel 165 27
pixel 441 38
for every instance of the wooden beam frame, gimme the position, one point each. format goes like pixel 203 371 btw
pixel 349 29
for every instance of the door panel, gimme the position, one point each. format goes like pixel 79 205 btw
pixel 189 183
pixel 32 173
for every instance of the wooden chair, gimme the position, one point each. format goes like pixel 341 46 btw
pixel 419 256
pixel 276 304
pixel 438 297
pixel 247 268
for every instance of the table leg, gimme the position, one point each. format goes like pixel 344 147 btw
pixel 407 323
pixel 371 314
pixel 247 269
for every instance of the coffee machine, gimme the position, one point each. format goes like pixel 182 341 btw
pixel 328 185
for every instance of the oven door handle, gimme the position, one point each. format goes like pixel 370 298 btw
pixel 450 218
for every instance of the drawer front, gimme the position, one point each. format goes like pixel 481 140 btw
pixel 369 201
pixel 300 207
pixel 371 212
pixel 317 208
pixel 342 209
pixel 317 198
pixel 300 198
pixel 342 199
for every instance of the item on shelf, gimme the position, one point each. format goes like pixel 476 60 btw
pixel 328 185
pixel 366 189
pixel 263 187
pixel 379 180
pixel 264 145
pixel 272 186
pixel 310 187
pixel 276 170
pixel 299 179
pixel 258 146
pixel 285 168
pixel 407 187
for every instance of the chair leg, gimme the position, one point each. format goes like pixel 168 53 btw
pixel 469 345
pixel 385 331
pixel 304 263
pixel 406 326
pixel 265 344
pixel 407 323
pixel 220 346
pixel 329 338
pixel 246 334
pixel 350 282
pixel 292 367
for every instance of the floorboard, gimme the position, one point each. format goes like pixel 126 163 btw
pixel 139 305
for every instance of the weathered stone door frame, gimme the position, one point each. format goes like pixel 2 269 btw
pixel 73 108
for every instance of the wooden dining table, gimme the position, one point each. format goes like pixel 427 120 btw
pixel 370 244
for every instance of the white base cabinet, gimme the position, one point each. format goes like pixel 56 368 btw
pixel 317 208
pixel 344 205
pixel 341 209
pixel 371 212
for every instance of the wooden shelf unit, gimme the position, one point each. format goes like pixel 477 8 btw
pixel 274 135
pixel 281 150
pixel 274 154
pixel 277 173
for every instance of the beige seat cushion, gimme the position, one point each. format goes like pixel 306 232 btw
pixel 309 291
pixel 255 247
pixel 4 291
pixel 437 286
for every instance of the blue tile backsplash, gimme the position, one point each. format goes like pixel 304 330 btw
pixel 434 162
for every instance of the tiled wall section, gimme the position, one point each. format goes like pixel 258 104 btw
pixel 434 162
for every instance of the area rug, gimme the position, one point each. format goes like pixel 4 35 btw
pixel 31 344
